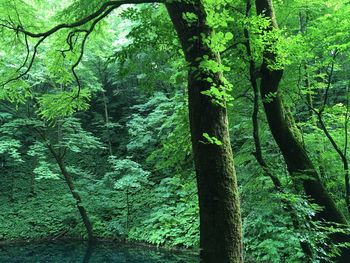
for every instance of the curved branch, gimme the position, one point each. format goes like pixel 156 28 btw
pixel 97 16
pixel 27 54
pixel 319 114
pixel 86 19
pixel 29 66
pixel 329 81
pixel 88 32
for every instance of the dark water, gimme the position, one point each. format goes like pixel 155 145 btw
pixel 77 252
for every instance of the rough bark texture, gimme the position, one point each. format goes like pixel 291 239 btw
pixel 220 218
pixel 288 206
pixel 296 158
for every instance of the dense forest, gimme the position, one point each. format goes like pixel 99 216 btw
pixel 215 126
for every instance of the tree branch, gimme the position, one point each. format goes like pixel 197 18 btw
pixel 85 20
pixel 95 17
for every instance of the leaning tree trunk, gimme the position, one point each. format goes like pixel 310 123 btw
pixel 298 162
pixel 253 78
pixel 220 218
pixel 75 194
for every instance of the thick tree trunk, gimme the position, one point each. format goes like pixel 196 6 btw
pixel 299 164
pixel 288 206
pixel 75 194
pixel 220 218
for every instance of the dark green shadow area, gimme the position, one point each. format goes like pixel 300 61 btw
pixel 74 252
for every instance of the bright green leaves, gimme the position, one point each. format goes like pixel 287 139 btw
pixel 126 174
pixel 218 18
pixel 44 169
pixel 219 42
pixel 58 67
pixel 211 65
pixel 15 91
pixel 75 138
pixel 191 18
pixel 285 47
pixel 64 103
pixel 219 95
pixel 211 140
pixel 218 13
pixel 214 37
pixel 263 37
pixel 329 32
pixel 10 147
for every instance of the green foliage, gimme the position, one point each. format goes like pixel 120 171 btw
pixel 16 92
pixel 173 218
pixel 124 136
pixel 126 174
pixel 10 148
pixel 63 104
pixel 43 169
pixel 54 212
pixel 211 140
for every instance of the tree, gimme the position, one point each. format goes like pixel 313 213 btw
pixel 67 137
pixel 298 163
pixel 128 177
pixel 220 220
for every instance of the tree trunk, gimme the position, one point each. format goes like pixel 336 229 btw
pixel 88 253
pixel 32 185
pixel 299 164
pixel 342 156
pixel 12 191
pixel 127 212
pixel 220 218
pixel 105 104
pixel 288 206
pixel 75 194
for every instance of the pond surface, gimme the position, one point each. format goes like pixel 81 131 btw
pixel 78 252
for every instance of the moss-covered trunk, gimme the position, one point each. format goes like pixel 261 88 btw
pixel 253 78
pixel 298 162
pixel 220 218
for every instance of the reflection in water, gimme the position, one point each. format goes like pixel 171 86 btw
pixel 80 252
pixel 88 253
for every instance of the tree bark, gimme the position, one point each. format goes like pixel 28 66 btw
pixel 288 206
pixel 106 116
pixel 298 162
pixel 75 194
pixel 127 212
pixel 220 218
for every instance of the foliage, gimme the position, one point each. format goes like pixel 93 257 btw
pixel 124 134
